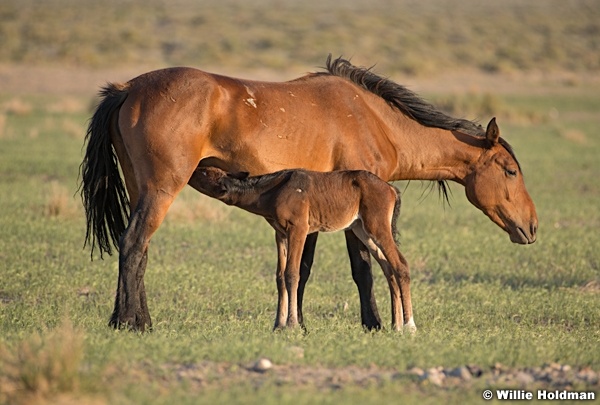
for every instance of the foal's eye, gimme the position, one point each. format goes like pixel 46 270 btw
pixel 510 172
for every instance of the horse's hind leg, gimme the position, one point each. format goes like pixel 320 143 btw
pixel 143 316
pixel 360 262
pixel 131 308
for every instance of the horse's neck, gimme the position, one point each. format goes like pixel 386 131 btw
pixel 433 154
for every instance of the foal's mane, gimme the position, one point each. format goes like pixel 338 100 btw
pixel 256 183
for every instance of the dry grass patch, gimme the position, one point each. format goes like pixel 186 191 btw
pixel 574 135
pixel 67 105
pixel 60 202
pixel 2 125
pixel 73 128
pixel 41 366
pixel 16 106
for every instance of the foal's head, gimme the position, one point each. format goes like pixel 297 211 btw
pixel 214 182
pixel 495 186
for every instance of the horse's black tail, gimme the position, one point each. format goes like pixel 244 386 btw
pixel 395 216
pixel 102 190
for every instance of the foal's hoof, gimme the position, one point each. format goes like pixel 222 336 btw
pixel 410 329
pixel 288 327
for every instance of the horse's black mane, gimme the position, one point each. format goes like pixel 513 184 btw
pixel 408 102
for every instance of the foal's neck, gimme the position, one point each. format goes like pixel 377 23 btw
pixel 248 193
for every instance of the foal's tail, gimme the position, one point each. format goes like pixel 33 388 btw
pixel 395 216
pixel 102 190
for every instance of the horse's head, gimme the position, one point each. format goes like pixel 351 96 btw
pixel 495 186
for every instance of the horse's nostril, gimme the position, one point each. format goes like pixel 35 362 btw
pixel 533 229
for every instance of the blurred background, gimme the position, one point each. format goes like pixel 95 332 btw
pixel 75 45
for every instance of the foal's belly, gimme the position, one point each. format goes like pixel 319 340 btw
pixel 334 225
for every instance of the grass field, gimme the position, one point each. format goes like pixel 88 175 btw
pixel 513 312
pixel 478 298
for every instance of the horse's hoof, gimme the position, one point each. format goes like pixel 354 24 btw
pixel 372 328
pixel 130 324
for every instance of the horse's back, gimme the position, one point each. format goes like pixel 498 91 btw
pixel 318 121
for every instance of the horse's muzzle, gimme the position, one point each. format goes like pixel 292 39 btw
pixel 524 236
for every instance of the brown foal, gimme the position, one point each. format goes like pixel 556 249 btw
pixel 298 202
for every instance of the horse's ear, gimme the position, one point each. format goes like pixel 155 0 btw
pixel 492 133
pixel 239 175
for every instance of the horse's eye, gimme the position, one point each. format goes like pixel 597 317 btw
pixel 510 172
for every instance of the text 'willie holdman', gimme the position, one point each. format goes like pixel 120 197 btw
pixel 545 395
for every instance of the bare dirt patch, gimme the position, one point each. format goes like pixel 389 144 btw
pixel 69 80
pixel 218 375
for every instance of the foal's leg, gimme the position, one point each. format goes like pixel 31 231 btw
pixel 296 238
pixel 363 277
pixel 282 295
pixel 395 294
pixel 308 255
pixel 403 276
pixel 383 239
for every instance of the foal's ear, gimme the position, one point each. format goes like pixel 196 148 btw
pixel 492 133
pixel 239 175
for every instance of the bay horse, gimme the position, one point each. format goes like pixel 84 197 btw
pixel 297 203
pixel 160 126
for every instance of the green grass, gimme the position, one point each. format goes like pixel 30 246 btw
pixel 478 299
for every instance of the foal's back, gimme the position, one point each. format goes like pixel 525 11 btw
pixel 332 201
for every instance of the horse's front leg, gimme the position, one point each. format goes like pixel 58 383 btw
pixel 360 261
pixel 282 295
pixel 306 263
